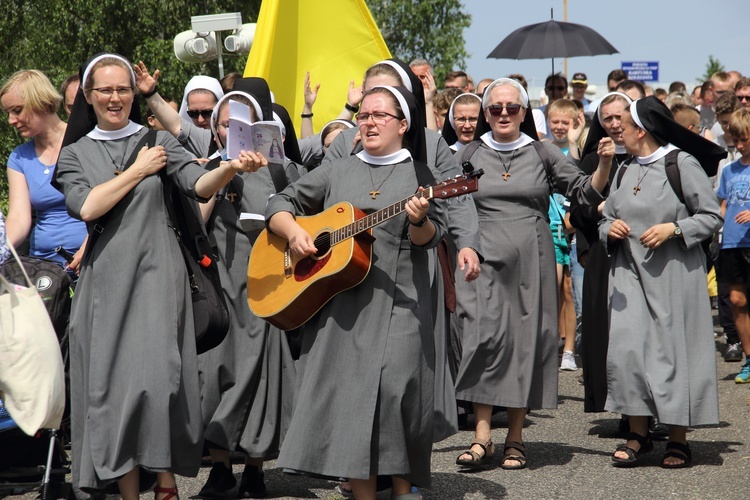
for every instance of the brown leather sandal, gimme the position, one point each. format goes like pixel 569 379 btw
pixel 519 455
pixel 477 460
pixel 171 493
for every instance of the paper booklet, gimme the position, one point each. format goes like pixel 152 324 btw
pixel 251 222
pixel 263 136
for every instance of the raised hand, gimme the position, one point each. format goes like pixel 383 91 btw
pixel 145 82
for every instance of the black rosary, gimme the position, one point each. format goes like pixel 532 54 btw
pixel 121 167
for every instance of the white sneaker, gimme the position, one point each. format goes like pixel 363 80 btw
pixel 568 361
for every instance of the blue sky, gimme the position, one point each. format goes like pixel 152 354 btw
pixel 679 34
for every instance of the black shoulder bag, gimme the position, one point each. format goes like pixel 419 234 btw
pixel 210 312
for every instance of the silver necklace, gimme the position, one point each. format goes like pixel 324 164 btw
pixel 46 166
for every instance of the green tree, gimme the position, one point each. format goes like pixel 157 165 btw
pixel 712 67
pixel 429 29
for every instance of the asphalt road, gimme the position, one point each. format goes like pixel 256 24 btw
pixel 569 457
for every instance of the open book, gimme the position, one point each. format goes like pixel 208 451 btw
pixel 263 136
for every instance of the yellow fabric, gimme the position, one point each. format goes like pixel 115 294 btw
pixel 712 286
pixel 335 40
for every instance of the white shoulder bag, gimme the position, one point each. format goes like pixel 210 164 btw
pixel 32 380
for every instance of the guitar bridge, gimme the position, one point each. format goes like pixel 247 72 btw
pixel 287 262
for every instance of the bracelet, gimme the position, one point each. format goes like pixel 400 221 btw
pixel 351 108
pixel 420 223
pixel 306 115
pixel 149 94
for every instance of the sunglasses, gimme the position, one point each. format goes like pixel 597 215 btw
pixel 195 113
pixel 559 88
pixel 743 98
pixel 497 109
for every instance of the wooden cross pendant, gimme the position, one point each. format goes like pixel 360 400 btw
pixel 231 197
pixel 505 176
pixel 373 194
pixel 636 189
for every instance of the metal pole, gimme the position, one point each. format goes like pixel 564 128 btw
pixel 565 18
pixel 219 45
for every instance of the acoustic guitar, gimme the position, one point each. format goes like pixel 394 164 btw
pixel 287 290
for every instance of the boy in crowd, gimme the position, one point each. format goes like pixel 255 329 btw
pixel 733 268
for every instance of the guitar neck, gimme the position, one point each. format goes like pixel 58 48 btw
pixel 378 217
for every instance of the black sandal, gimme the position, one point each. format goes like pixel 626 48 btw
pixel 477 460
pixel 519 455
pixel 633 455
pixel 677 450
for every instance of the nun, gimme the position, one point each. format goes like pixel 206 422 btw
pixel 364 405
pixel 247 382
pixel 133 299
pixel 508 315
pixel 463 115
pixel 660 360
pixel 462 229
pixel 191 125
pixel 604 143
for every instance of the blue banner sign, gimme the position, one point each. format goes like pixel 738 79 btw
pixel 642 71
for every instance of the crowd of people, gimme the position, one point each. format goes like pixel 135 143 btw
pixel 588 241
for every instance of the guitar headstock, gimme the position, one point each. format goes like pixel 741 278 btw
pixel 456 186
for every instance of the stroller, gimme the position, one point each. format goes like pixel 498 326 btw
pixel 40 462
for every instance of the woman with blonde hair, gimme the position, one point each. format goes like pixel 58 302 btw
pixel 31 103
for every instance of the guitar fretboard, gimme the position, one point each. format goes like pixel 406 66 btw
pixel 375 218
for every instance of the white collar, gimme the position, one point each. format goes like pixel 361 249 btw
pixel 112 135
pixel 457 146
pixel 522 140
pixel 391 159
pixel 620 150
pixel 656 155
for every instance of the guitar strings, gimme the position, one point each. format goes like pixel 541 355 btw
pixel 325 238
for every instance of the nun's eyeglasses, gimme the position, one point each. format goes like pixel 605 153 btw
pixel 379 117
pixel 108 91
pixel 195 113
pixel 464 120
pixel 497 109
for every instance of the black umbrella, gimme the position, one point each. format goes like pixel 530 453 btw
pixel 552 39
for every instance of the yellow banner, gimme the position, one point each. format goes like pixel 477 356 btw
pixel 335 40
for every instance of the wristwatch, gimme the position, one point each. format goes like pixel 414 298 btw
pixel 677 231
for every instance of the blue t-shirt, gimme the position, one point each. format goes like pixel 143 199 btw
pixel 54 227
pixel 734 187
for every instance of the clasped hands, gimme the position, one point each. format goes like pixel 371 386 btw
pixel 653 237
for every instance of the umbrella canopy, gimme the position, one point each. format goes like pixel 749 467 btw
pixel 552 39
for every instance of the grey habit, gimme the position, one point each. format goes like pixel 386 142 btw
pixel 364 400
pixel 247 382
pixel 509 314
pixel 464 230
pixel 134 375
pixel 661 350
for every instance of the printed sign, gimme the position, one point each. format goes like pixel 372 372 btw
pixel 641 70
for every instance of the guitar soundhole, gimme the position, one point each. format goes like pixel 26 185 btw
pixel 309 266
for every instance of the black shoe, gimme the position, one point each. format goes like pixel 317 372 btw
pixel 252 484
pixel 623 427
pixel 658 430
pixel 220 480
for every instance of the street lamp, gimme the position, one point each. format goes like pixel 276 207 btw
pixel 203 42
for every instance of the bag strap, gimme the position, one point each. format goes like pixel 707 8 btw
pixel 673 174
pixel 278 176
pixel 621 171
pixel 97 228
pixel 467 153
pixel 20 264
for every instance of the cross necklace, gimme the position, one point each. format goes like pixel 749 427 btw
pixel 506 167
pixel 121 167
pixel 640 179
pixel 376 190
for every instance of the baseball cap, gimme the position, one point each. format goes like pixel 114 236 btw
pixel 579 78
